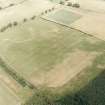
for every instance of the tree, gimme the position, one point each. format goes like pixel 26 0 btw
pixel 45 11
pixel 33 17
pixel 76 5
pixel 61 2
pixel 15 23
pixel 24 20
pixel 1 8
pixel 69 4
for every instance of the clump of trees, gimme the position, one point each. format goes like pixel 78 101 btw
pixel 9 25
pixel 69 3
pixel 15 23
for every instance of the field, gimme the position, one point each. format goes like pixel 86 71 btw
pixel 57 58
pixel 17 12
pixel 89 15
pixel 88 25
pixel 52 48
pixel 63 16
pixel 8 90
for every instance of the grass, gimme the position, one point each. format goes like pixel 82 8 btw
pixel 63 17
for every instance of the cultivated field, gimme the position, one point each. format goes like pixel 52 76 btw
pixel 17 12
pixel 63 16
pixel 62 50
pixel 86 18
pixel 8 90
pixel 39 59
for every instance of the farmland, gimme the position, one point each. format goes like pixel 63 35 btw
pixel 52 55
pixel 46 51
pixel 8 90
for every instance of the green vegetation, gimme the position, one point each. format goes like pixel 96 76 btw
pixel 48 46
pixel 63 17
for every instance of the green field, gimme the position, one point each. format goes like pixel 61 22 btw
pixel 37 47
pixel 63 16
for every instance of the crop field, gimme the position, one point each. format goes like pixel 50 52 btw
pixel 6 97
pixel 8 90
pixel 52 55
pixel 50 48
pixel 63 16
